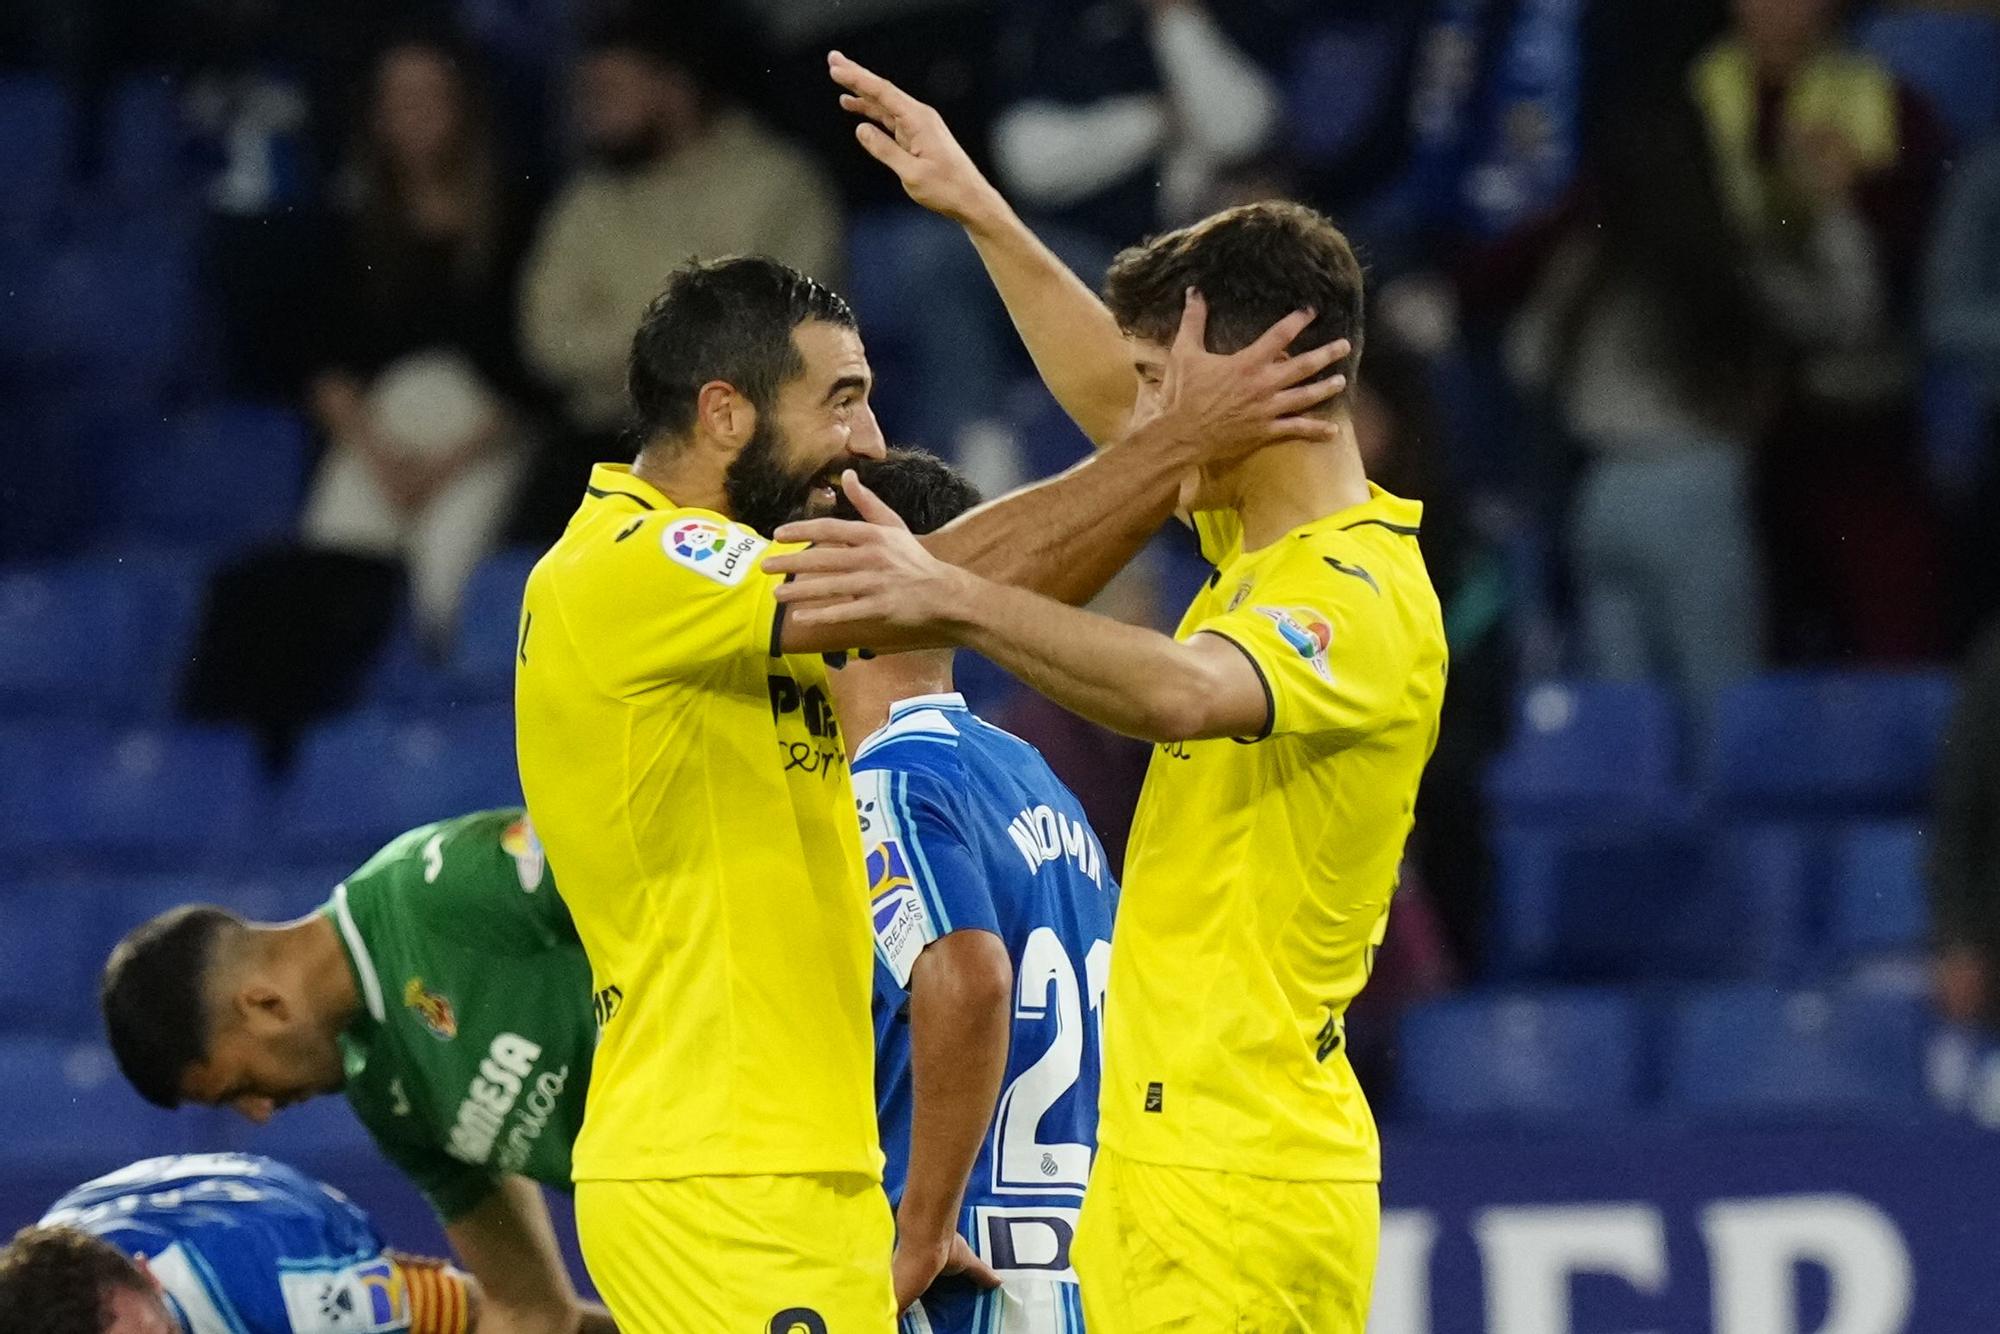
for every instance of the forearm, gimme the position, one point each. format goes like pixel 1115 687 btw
pixel 1065 537
pixel 958 1057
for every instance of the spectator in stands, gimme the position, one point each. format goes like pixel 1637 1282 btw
pixel 1962 300
pixel 1827 166
pixel 1650 345
pixel 1965 863
pixel 421 392
pixel 1118 117
pixel 671 171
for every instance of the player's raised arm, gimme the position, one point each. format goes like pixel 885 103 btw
pixel 1076 345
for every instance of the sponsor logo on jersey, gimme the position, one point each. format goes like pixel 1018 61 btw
pixel 1306 633
pixel 506 1078
pixel 721 552
pixel 434 1009
pixel 1042 834
pixel 520 842
pixel 897 910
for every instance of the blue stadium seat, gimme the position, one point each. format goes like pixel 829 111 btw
pixel 321 1137
pixel 146 146
pixel 1600 750
pixel 1757 1050
pixel 32 752
pixel 1339 82
pixel 405 677
pixel 1828 744
pixel 1665 900
pixel 39 148
pixel 69 1109
pixel 1526 1055
pixel 119 307
pixel 44 966
pixel 100 637
pixel 1879 904
pixel 181 797
pixel 215 480
pixel 1950 58
pixel 489 620
pixel 361 780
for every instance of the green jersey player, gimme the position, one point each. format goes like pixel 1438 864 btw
pixel 443 988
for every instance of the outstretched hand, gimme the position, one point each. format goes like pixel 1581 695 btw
pixel 865 571
pixel 1231 404
pixel 911 139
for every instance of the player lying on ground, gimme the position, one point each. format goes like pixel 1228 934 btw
pixel 682 758
pixel 221 1243
pixel 443 988
pixel 1294 710
pixel 987 884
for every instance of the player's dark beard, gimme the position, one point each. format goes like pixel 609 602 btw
pixel 763 493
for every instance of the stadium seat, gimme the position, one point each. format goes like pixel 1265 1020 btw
pixel 1597 750
pixel 99 636
pixel 216 480
pixel 1548 1054
pixel 119 307
pixel 69 1110
pixel 405 677
pixel 1339 82
pixel 489 621
pixel 361 780
pixel 1665 900
pixel 1950 58
pixel 1827 744
pixel 156 797
pixel 145 149
pixel 1757 1050
pixel 38 150
pixel 44 977
pixel 320 1137
pixel 1879 905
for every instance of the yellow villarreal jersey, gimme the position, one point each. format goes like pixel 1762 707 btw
pixel 1259 874
pixel 689 783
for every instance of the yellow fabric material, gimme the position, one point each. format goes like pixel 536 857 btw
pixel 1259 872
pixel 741 1255
pixel 691 790
pixel 1175 1248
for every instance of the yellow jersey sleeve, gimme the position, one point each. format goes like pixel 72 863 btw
pixel 677 594
pixel 1329 647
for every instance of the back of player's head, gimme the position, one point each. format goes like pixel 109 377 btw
pixel 725 319
pixel 926 492
pixel 154 997
pixel 62 1280
pixel 1254 265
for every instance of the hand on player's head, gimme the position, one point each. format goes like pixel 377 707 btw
pixel 911 139
pixel 1232 404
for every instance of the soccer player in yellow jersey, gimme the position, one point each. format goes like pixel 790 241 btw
pixel 681 756
pixel 1294 709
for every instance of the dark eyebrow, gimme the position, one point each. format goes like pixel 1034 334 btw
pixel 845 383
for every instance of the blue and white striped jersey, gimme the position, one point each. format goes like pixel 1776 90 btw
pixel 966 827
pixel 245 1245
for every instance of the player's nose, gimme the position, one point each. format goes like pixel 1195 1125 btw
pixel 864 439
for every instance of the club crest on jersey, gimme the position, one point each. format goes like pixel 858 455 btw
pixel 721 552
pixel 1306 633
pixel 520 842
pixel 1240 596
pixel 434 1009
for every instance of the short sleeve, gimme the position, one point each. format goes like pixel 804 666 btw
pixel 676 595
pixel 1325 642
pixel 453 1188
pixel 924 881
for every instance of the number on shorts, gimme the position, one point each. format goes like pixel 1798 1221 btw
pixel 798 1320
pixel 1021 1160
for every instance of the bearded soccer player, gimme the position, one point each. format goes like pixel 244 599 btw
pixel 681 756
pixel 1294 711
pixel 222 1243
pixel 443 989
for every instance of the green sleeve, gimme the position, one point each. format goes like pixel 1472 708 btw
pixel 453 1188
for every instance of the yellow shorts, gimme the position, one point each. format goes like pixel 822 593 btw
pixel 1176 1248
pixel 741 1255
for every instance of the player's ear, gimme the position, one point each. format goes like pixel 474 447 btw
pixel 724 413
pixel 258 1003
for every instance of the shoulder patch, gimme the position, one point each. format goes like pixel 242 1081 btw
pixel 719 551
pixel 1306 632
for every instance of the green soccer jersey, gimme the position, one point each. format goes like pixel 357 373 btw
pixel 472 1052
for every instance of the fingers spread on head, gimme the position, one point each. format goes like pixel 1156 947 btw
pixel 1193 333
pixel 1281 335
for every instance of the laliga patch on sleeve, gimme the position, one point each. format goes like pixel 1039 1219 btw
pixel 368 1297
pixel 719 551
pixel 902 926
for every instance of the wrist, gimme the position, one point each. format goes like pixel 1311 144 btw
pixel 987 215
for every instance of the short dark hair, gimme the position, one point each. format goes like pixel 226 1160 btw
pixel 154 997
pixel 1254 265
pixel 723 319
pixel 926 492
pixel 57 1280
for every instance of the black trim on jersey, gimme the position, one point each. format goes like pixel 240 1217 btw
pixel 1403 529
pixel 630 529
pixel 1270 700
pixel 602 494
pixel 778 631
pixel 1214 576
pixel 1354 572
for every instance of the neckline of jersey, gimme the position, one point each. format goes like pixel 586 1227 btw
pixel 1382 509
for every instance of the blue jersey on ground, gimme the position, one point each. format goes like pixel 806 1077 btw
pixel 244 1245
pixel 967 828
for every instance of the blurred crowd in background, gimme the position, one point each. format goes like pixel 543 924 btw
pixel 1685 325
